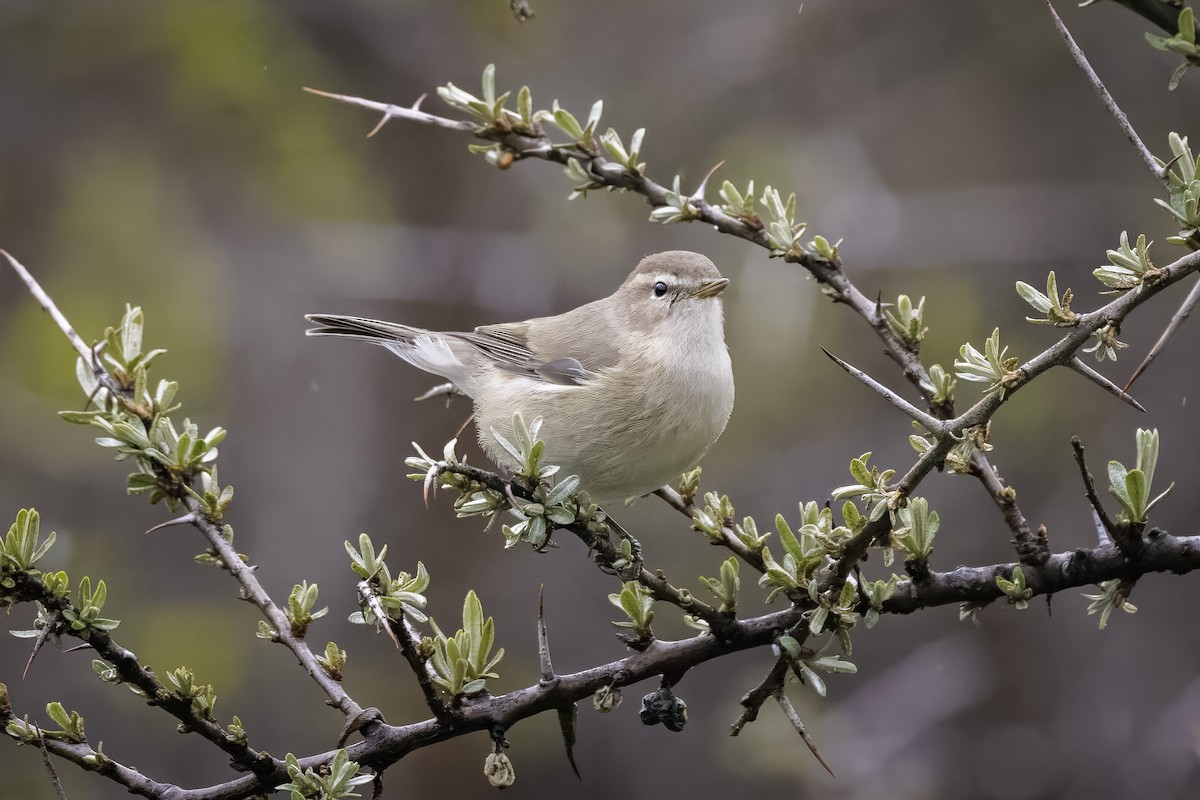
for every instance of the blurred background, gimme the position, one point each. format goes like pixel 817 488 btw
pixel 164 155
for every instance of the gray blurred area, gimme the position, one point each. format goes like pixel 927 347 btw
pixel 163 154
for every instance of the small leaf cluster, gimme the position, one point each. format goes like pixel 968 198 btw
pixel 918 527
pixel 990 366
pixel 1182 43
pixel 638 604
pixel 21 549
pixel 329 783
pixel 88 605
pixel 1114 595
pixel 70 726
pixel 1057 310
pixel 463 663
pixel 401 595
pixel 1128 267
pixel 551 505
pixel 300 605
pixel 202 696
pixel 806 664
pixel 1107 344
pixel 907 320
pixel 871 486
pixel 725 588
pixel 878 593
pixel 1015 589
pixel 1184 190
pixel 333 661
pixel 137 423
pixel 1131 487
pixel 957 460
pixel 808 555
pixel 676 208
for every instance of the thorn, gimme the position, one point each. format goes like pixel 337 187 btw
pixel 1103 382
pixel 184 520
pixel 387 115
pixel 43 635
pixel 548 676
pixel 698 195
pixel 1176 320
pixel 416 106
pixel 566 724
pixel 798 724
pixel 931 423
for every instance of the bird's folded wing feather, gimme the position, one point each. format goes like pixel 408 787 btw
pixel 566 359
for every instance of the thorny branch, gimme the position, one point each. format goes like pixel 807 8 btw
pixel 1046 574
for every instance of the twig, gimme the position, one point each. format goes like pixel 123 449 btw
pixel 1080 366
pixel 1105 97
pixel 753 700
pixel 40 641
pixel 54 780
pixel 1089 489
pixel 86 353
pixel 544 639
pixel 797 723
pixel 1029 550
pixel 244 574
pixel 417 663
pixel 928 421
pixel 390 111
pixel 1176 320
pixel 729 538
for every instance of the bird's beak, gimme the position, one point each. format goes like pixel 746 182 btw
pixel 711 288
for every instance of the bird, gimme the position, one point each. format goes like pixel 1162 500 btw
pixel 633 389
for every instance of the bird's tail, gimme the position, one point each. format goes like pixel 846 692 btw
pixel 427 350
pixel 371 330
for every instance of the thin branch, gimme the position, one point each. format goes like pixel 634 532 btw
pixel 729 538
pixel 86 353
pixel 408 638
pixel 390 111
pixel 544 639
pixel 1029 550
pixel 607 553
pixel 1177 319
pixel 1080 366
pixel 244 574
pixel 53 773
pixel 131 671
pixel 1089 489
pixel 1159 171
pixel 928 421
pixel 797 723
pixel 752 701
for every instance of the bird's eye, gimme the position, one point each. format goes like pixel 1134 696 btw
pixel 660 289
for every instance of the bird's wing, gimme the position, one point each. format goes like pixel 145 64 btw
pixel 568 357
